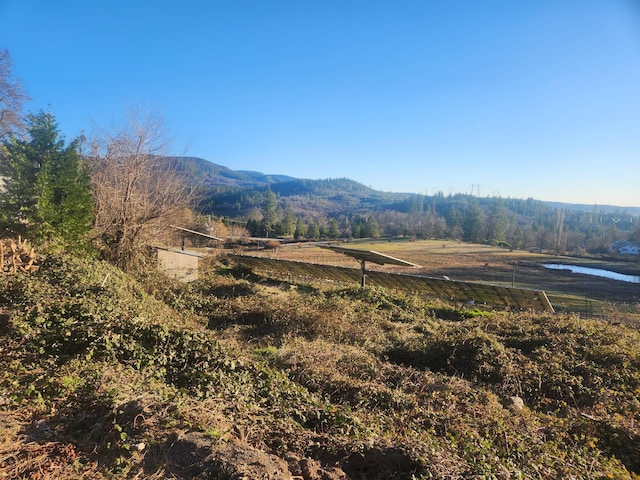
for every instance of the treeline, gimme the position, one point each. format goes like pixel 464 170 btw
pixel 338 196
pixel 513 223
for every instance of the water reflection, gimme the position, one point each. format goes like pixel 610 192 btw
pixel 598 272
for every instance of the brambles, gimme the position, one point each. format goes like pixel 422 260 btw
pixel 137 191
pixel 153 378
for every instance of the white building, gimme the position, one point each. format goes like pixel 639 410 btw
pixel 626 248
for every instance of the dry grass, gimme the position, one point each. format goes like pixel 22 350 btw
pixel 585 294
pixel 230 376
pixel 25 451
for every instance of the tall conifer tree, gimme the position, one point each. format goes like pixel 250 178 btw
pixel 47 191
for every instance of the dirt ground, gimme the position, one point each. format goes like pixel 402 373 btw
pixel 494 265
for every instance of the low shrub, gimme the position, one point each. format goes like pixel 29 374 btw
pixel 113 369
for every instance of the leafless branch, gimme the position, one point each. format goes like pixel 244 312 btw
pixel 12 97
pixel 138 193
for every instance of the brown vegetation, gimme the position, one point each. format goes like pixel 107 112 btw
pixel 17 256
pixel 499 266
pixel 12 97
pixel 137 193
pixel 238 377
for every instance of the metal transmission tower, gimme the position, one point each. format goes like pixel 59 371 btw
pixel 475 186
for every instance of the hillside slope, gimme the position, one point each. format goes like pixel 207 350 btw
pixel 225 187
pixel 107 376
pixel 234 193
pixel 211 174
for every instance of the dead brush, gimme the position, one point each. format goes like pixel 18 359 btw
pixel 17 256
pixel 24 454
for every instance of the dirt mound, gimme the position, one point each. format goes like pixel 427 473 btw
pixel 195 456
pixel 378 464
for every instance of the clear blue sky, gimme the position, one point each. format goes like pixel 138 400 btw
pixel 526 98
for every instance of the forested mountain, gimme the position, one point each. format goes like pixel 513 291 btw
pixel 278 205
pixel 210 174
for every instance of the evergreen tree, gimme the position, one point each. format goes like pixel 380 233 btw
pixel 269 214
pixel 517 237
pixel 358 226
pixel 371 229
pixel 334 229
pixel 313 231
pixel 498 222
pixel 454 222
pixel 288 221
pixel 301 230
pixel 473 224
pixel 254 227
pixel 47 190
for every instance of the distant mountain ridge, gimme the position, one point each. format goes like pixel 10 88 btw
pixel 235 192
pixel 583 207
pixel 213 174
pixel 336 195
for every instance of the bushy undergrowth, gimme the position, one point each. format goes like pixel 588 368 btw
pixel 115 368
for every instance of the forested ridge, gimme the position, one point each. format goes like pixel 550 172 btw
pixel 340 208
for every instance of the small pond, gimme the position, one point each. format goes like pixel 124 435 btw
pixel 598 272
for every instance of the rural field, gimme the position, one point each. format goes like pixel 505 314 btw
pixel 107 375
pixel 586 294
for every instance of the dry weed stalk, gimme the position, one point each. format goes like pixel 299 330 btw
pixel 17 256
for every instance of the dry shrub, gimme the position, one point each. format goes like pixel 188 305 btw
pixel 17 256
pixel 461 352
pixel 25 451
pixel 272 245
pixel 344 373
pixel 272 315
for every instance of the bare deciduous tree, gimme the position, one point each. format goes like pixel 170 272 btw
pixel 138 192
pixel 12 97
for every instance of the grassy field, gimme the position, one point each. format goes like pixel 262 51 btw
pixel 236 376
pixel 585 294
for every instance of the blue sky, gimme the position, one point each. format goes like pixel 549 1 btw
pixel 531 98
